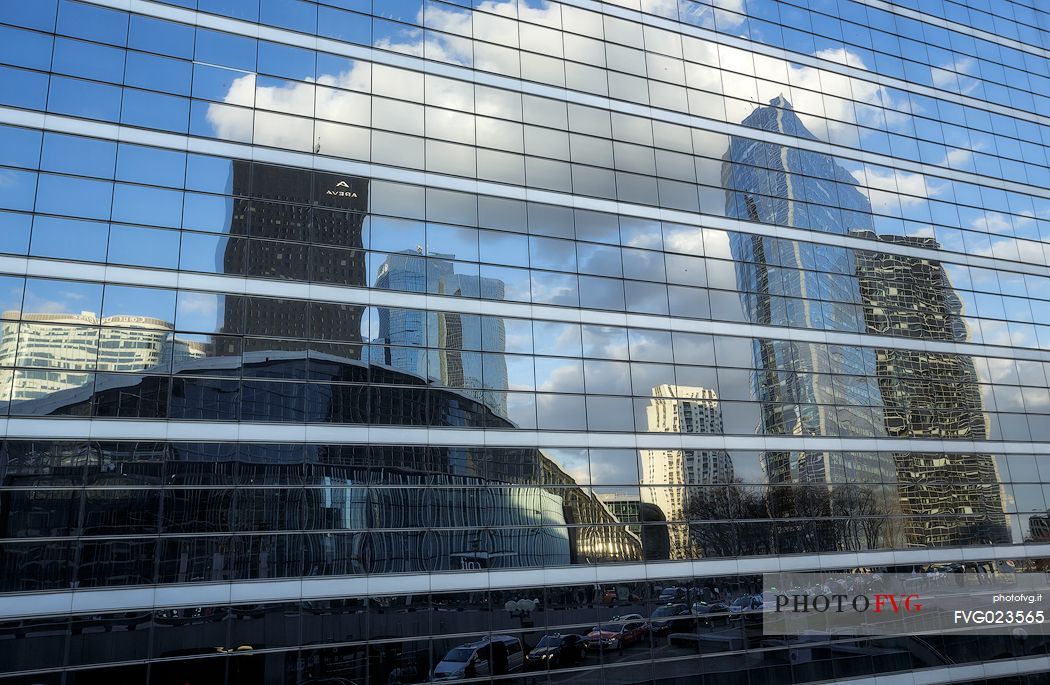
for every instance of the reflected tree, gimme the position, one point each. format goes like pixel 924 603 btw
pixel 737 520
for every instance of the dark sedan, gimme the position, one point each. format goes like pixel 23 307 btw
pixel 671 617
pixel 556 651
pixel 711 613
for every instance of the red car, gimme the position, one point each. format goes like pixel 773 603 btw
pixel 615 635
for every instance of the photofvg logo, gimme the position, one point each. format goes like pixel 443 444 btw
pixel 936 598
pixel 840 603
pixel 865 603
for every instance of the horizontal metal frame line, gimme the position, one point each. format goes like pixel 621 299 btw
pixel 122 133
pixel 233 284
pixel 204 594
pixel 368 297
pixel 808 60
pixel 957 673
pixel 421 64
pixel 936 675
pixel 803 58
pixel 48 427
pixel 956 26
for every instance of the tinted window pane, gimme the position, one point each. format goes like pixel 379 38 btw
pixel 78 155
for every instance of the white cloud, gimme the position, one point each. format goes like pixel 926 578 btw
pixel 565 376
pixel 198 304
pixel 958 157
pixel 827 98
pixel 912 186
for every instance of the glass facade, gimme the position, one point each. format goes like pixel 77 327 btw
pixel 381 342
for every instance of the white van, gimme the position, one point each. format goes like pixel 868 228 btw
pixel 494 655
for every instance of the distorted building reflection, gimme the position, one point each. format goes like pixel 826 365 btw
pixel 1039 528
pixel 798 284
pixel 392 510
pixel 599 534
pixel 383 510
pixel 855 391
pixel 950 498
pixel 65 345
pixel 788 283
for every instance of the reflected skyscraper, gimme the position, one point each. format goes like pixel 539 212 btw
pixel 789 283
pixel 455 359
pixel 894 392
pixel 789 186
pixel 948 498
pixel 326 209
pixel 675 475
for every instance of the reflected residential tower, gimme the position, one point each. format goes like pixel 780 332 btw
pixel 674 474
pixel 948 498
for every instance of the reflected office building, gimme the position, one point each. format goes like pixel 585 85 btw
pixel 944 499
pixel 121 343
pixel 456 360
pixel 790 284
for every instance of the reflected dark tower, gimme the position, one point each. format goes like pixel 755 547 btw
pixel 774 184
pixel 951 498
pixel 291 207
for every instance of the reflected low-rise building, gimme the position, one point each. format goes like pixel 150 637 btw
pixel 83 342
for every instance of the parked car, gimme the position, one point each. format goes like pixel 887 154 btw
pixel 750 608
pixel 672 617
pixel 711 613
pixel 616 634
pixel 629 617
pixel 556 651
pixel 672 594
pixel 495 655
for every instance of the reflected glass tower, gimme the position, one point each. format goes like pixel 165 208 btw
pixel 783 282
pixel 908 393
pixel 456 360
